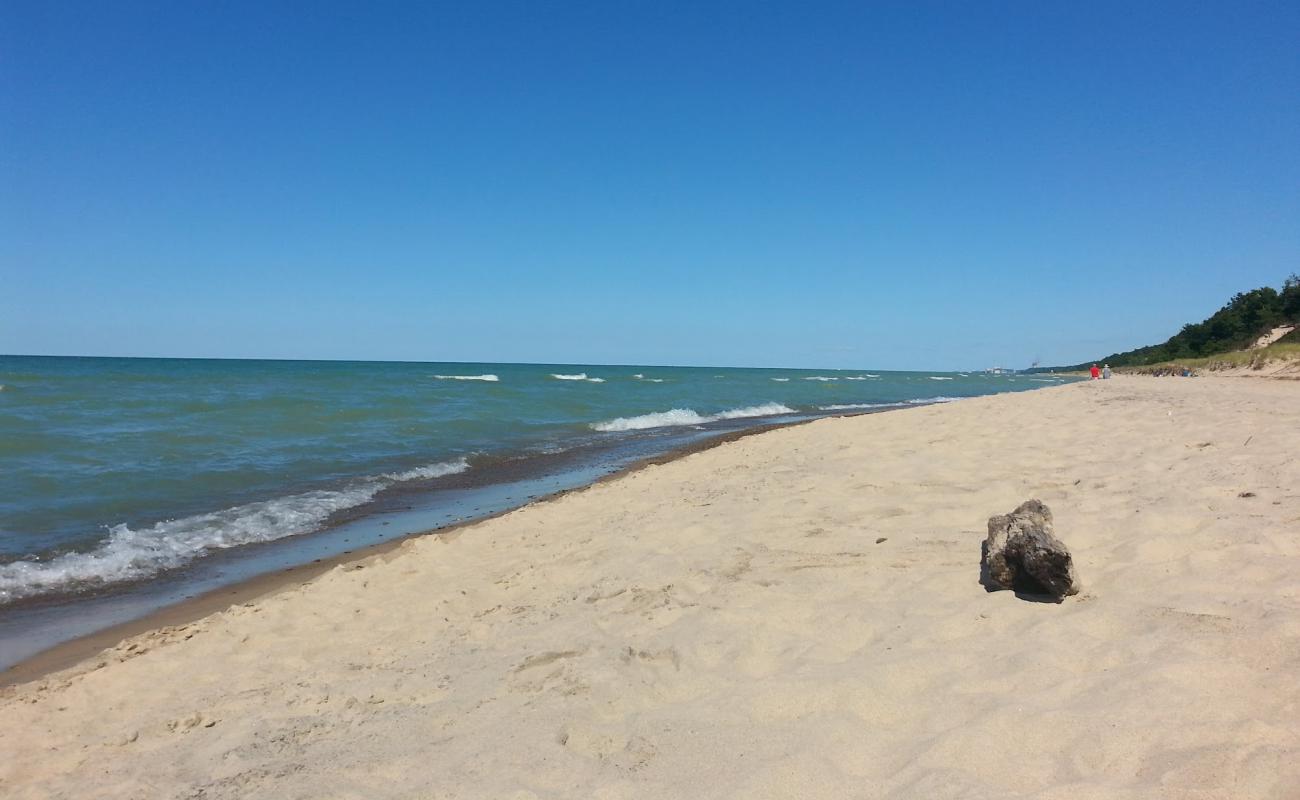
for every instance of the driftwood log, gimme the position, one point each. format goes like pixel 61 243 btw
pixel 1022 553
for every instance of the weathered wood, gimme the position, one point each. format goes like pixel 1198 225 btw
pixel 1023 553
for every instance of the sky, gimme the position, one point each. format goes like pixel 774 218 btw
pixel 859 185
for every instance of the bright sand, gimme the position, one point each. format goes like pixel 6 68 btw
pixel 728 625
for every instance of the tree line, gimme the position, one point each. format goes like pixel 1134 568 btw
pixel 1246 317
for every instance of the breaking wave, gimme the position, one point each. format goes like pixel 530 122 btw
pixel 659 419
pixel 489 378
pixel 918 401
pixel 764 410
pixel 132 554
pixel 820 378
pixel 685 416
pixel 855 406
pixel 429 471
pixel 939 378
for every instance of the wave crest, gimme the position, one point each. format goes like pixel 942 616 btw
pixel 430 471
pixel 132 554
pixel 659 419
pixel 686 416
pixel 488 378
pixel 855 406
pixel 764 410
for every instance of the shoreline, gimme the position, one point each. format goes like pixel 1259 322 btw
pixel 797 614
pixel 81 649
pixel 272 462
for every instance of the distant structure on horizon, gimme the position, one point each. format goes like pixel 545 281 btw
pixel 1010 371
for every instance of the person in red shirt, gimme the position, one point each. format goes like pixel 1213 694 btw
pixel 1096 373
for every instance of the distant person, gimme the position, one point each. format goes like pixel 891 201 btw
pixel 1105 373
pixel 1096 373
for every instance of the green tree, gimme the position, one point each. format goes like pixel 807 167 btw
pixel 1289 299
pixel 1245 317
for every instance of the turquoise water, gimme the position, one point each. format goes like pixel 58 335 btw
pixel 118 471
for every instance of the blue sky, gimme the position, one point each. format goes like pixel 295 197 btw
pixel 885 185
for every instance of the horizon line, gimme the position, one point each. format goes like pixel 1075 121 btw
pixel 508 363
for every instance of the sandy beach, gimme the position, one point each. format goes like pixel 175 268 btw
pixel 791 614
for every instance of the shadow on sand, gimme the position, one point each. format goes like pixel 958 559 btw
pixel 1025 587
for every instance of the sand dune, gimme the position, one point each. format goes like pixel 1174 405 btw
pixel 1272 336
pixel 732 625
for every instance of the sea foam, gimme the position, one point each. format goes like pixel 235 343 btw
pixel 429 471
pixel 132 554
pixel 686 416
pixel 489 378
pixel 854 406
pixel 659 419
